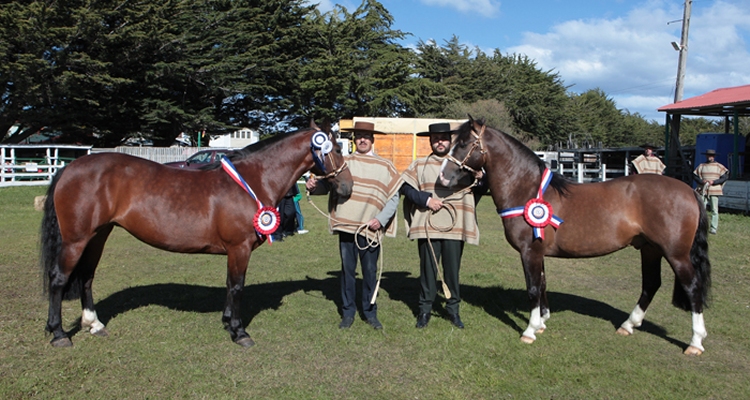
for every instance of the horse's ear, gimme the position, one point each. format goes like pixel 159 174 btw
pixel 475 124
pixel 313 124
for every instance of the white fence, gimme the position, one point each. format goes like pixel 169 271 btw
pixel 32 165
pixel 159 154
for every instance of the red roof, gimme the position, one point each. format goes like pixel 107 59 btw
pixel 719 102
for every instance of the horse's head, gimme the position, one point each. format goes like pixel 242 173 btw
pixel 329 161
pixel 466 154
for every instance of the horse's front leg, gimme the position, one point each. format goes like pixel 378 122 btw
pixel 533 267
pixel 237 260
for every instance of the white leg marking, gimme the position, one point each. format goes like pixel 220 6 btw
pixel 89 319
pixel 535 323
pixel 635 320
pixel 699 331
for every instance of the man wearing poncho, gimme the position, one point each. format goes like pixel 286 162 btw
pixel 648 162
pixel 373 203
pixel 429 219
pixel 713 174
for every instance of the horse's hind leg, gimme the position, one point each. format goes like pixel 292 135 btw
pixel 87 265
pixel 651 271
pixel 688 295
pixel 62 285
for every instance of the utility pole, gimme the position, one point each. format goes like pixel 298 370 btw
pixel 683 52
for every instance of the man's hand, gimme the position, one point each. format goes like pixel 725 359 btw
pixel 434 204
pixel 311 184
pixel 374 224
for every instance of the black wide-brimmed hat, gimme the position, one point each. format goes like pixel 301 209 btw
pixel 440 127
pixel 710 152
pixel 363 126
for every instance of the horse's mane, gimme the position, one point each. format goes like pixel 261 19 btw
pixel 559 182
pixel 241 154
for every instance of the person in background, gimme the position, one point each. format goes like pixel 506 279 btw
pixel 287 224
pixel 357 219
pixel 648 162
pixel 711 175
pixel 298 211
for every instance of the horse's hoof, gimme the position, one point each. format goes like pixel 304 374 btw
pixel 62 342
pixel 527 340
pixel 693 351
pixel 540 330
pixel 245 342
pixel 623 332
pixel 101 333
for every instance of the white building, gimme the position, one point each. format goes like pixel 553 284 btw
pixel 236 139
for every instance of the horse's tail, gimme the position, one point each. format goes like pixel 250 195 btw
pixel 51 244
pixel 699 259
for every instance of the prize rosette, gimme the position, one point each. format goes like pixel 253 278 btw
pixel 266 220
pixel 319 139
pixel 538 213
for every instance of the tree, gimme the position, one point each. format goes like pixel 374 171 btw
pixel 102 70
pixel 353 66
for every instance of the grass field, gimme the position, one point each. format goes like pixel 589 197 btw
pixel 163 313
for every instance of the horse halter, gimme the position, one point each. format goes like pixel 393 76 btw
pixel 321 147
pixel 476 144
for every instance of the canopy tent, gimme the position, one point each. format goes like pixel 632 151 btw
pixel 728 102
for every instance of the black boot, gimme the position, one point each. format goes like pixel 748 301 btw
pixel 456 320
pixel 423 319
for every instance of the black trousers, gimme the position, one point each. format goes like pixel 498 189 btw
pixel 369 260
pixel 450 252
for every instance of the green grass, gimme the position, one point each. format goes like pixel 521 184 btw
pixel 163 313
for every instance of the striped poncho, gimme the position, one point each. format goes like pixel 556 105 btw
pixel 375 181
pixel 648 165
pixel 423 175
pixel 711 171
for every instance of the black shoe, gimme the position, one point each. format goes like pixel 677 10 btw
pixel 373 321
pixel 346 322
pixel 456 320
pixel 423 319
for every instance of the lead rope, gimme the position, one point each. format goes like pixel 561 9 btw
pixel 375 241
pixel 428 223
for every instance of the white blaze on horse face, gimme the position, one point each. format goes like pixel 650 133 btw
pixel 444 181
pixel 90 319
pixel 635 320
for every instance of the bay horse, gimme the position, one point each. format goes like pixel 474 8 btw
pixel 179 210
pixel 546 214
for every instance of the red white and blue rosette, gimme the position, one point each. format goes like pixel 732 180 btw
pixel 537 212
pixel 266 220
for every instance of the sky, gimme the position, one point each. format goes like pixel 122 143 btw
pixel 622 47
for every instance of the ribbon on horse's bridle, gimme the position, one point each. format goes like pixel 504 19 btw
pixel 476 144
pixel 321 146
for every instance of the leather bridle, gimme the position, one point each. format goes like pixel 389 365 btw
pixel 477 144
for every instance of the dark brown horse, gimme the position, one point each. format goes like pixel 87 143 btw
pixel 179 210
pixel 660 216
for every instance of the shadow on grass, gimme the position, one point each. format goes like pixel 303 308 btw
pixel 507 305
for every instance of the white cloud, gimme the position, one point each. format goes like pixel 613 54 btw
pixel 487 8
pixel 631 58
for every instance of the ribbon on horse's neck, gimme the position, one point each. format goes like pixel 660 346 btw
pixel 537 212
pixel 476 144
pixel 230 169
